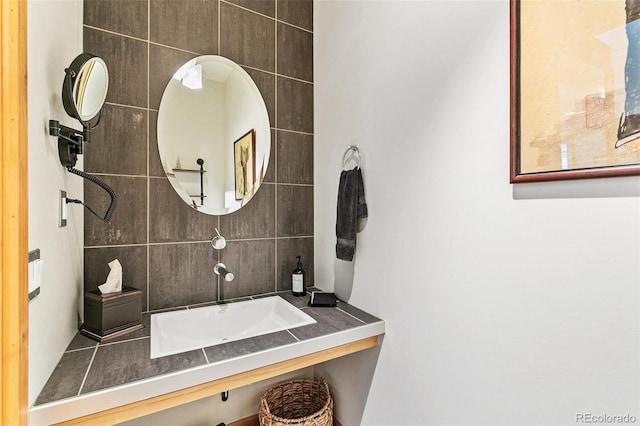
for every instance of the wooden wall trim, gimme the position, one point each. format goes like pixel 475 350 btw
pixel 183 396
pixel 13 220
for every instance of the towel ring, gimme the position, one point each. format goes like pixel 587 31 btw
pixel 353 150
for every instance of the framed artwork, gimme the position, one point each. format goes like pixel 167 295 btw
pixel 575 89
pixel 244 162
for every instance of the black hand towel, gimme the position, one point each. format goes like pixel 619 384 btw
pixel 351 207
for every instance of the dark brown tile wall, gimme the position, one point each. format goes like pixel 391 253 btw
pixel 162 244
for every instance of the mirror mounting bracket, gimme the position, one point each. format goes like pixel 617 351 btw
pixel 70 141
pixel 83 97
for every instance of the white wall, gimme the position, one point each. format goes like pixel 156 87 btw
pixel 504 305
pixel 54 39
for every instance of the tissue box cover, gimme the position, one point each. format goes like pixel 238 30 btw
pixel 111 315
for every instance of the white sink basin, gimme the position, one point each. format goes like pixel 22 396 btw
pixel 185 330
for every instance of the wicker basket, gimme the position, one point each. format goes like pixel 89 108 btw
pixel 297 402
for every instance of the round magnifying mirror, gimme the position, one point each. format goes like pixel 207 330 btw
pixel 85 87
pixel 214 136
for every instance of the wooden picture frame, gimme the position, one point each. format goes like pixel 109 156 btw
pixel 244 164
pixel 572 109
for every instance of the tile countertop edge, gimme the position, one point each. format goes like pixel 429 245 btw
pixel 70 408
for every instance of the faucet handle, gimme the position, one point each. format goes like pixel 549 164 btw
pixel 218 242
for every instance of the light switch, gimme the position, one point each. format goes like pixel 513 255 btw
pixel 63 209
pixel 32 271
pixel 35 273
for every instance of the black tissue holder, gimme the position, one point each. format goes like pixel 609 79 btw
pixel 319 298
pixel 110 315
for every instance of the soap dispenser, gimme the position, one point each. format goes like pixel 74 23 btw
pixel 298 280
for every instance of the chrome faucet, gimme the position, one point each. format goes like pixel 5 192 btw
pixel 221 269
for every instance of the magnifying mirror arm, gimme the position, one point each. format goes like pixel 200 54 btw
pixel 70 141
pixel 72 136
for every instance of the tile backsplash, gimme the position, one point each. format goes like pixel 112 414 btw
pixel 163 244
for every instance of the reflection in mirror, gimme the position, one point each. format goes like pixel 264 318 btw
pixel 91 89
pixel 214 137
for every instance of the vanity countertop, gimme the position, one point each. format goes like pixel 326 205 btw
pixel 93 377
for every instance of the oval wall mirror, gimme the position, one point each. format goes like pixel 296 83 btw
pixel 214 136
